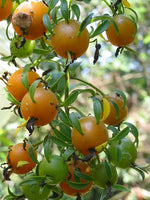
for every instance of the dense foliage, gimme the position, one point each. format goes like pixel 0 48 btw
pixel 75 99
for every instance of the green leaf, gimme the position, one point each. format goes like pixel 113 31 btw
pixel 84 23
pixel 41 51
pixel 54 14
pixel 97 107
pixel 47 23
pixel 108 170
pixel 32 154
pixel 24 79
pixel 61 135
pixel 139 171
pixel 119 154
pixel 113 129
pixel 64 117
pixel 47 147
pixel 134 131
pixel 65 10
pixel 101 28
pixel 76 123
pixel 64 128
pixel 71 98
pixel 75 8
pixel 33 88
pixel 77 185
pixel 129 49
pixel 115 25
pixel 61 86
pixel 115 107
pixel 32 180
pixel 104 194
pixel 120 135
pixel 60 142
pixel 2 3
pixel 68 152
pixel 121 93
pixel 12 99
pixel 52 4
pixel 120 188
pixel 83 176
pixel 10 192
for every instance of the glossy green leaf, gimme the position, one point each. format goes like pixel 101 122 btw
pixel 76 10
pixel 71 98
pixel 120 188
pixel 65 10
pixel 52 4
pixel 77 185
pixel 113 129
pixel 54 14
pixel 97 107
pixel 64 117
pixel 47 23
pixel 76 123
pixel 47 147
pixel 120 135
pixel 101 28
pixel 33 88
pixel 84 23
pixel 134 131
pixel 60 142
pixel 32 154
pixel 63 128
pixel 61 135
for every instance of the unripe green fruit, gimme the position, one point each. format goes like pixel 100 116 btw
pixel 56 169
pixel 101 178
pixel 128 153
pixel 35 191
pixel 24 51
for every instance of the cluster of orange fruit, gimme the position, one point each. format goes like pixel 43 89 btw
pixel 27 21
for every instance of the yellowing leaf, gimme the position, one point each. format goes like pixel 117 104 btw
pixel 47 41
pixel 20 127
pixel 21 163
pixel 106 108
pixel 126 3
pixel 101 147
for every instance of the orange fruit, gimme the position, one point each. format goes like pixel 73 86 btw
pixel 27 19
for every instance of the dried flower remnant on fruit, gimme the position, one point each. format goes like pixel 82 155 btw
pixel 23 20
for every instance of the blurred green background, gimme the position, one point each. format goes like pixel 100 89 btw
pixel 129 72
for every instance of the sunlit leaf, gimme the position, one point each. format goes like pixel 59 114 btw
pixel 76 10
pixel 106 108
